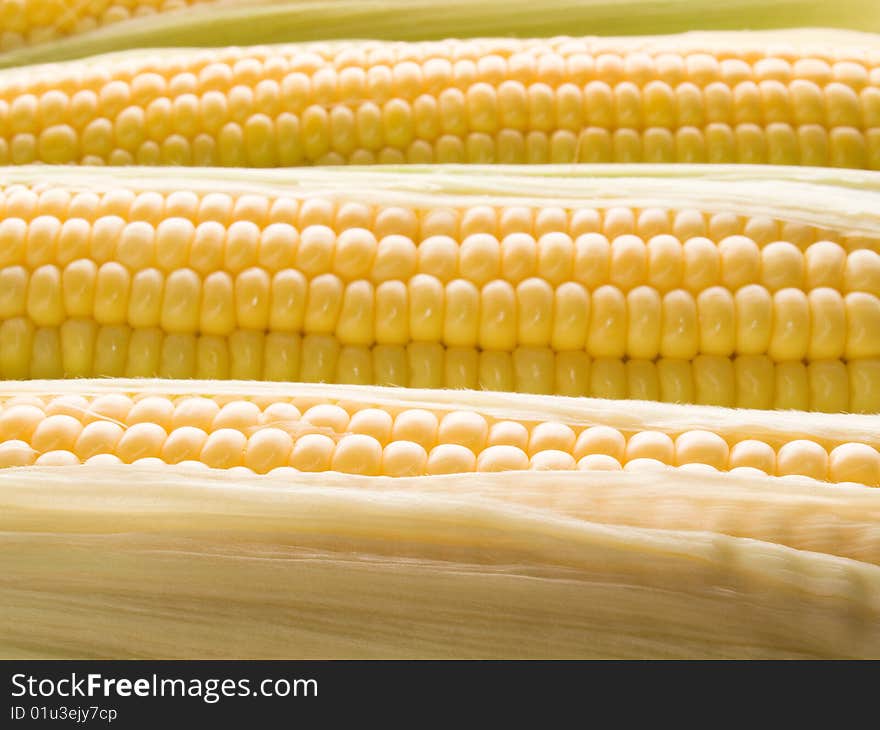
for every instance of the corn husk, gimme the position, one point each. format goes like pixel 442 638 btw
pixel 242 22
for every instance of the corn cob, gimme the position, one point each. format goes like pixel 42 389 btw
pixel 784 99
pixel 333 278
pixel 298 428
pixel 248 22
pixel 31 22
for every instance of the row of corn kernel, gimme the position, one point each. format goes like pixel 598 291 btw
pixel 627 261
pixel 472 107
pixel 414 441
pixel 82 349
pixel 337 415
pixel 17 201
pixel 406 69
pixel 787 325
pixel 700 60
pixel 317 139
pixel 354 72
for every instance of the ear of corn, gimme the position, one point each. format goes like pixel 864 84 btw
pixel 358 430
pixel 784 99
pixel 37 32
pixel 28 23
pixel 615 287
